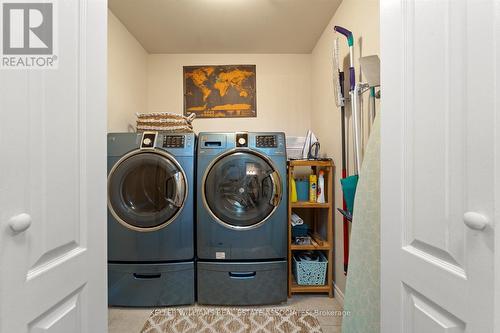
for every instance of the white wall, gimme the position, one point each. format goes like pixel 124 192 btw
pixel 362 18
pixel 127 76
pixel 283 90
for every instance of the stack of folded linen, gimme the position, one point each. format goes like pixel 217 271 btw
pixel 296 220
pixel 165 122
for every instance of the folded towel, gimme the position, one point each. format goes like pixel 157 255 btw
pixel 296 220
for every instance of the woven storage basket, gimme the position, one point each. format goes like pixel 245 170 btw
pixel 309 273
pixel 165 122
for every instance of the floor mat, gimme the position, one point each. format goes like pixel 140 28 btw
pixel 230 320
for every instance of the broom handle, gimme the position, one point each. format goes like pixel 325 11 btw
pixel 352 87
pixel 355 125
pixel 354 96
pixel 345 224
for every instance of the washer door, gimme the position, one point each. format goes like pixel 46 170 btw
pixel 146 190
pixel 242 189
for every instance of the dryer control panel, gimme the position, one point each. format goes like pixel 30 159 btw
pixel 266 141
pixel 174 141
pixel 269 143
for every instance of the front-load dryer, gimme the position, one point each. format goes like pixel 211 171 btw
pixel 241 218
pixel 150 219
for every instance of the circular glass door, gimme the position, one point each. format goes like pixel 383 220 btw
pixel 146 190
pixel 242 189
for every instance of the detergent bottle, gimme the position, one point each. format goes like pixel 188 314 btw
pixel 293 190
pixel 321 187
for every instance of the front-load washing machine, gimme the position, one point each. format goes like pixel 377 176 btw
pixel 150 219
pixel 241 218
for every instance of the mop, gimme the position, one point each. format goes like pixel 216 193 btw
pixel 348 183
pixel 340 102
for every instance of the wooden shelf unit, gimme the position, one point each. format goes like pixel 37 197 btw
pixel 306 204
pixel 310 289
pixel 318 243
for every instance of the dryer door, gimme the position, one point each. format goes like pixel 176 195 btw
pixel 146 190
pixel 242 189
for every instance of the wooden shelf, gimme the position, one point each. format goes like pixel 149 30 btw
pixel 295 288
pixel 316 244
pixel 313 163
pixel 312 247
pixel 323 241
pixel 307 204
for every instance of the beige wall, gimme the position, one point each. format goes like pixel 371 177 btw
pixel 142 82
pixel 283 90
pixel 361 17
pixel 127 76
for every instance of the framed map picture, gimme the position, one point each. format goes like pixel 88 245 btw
pixel 226 91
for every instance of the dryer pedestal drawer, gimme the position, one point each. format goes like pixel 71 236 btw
pixel 242 283
pixel 151 284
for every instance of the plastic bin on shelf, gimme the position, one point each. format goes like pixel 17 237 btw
pixel 310 273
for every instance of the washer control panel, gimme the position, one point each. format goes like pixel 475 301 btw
pixel 241 139
pixel 174 141
pixel 266 141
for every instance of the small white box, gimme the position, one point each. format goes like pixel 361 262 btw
pixel 294 147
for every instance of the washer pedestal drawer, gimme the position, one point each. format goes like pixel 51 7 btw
pixel 242 283
pixel 150 285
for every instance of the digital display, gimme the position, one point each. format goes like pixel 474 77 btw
pixel 173 141
pixel 266 141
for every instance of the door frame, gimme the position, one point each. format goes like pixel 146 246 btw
pixel 496 218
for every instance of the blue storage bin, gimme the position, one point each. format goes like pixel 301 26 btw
pixel 302 189
pixel 310 273
pixel 300 230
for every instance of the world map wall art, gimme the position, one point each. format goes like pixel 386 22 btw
pixel 226 91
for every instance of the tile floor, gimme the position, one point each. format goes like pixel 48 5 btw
pixel 125 320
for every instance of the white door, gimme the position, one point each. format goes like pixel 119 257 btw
pixel 53 173
pixel 439 158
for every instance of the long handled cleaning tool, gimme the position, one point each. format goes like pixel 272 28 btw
pixel 340 102
pixel 349 183
pixel 354 97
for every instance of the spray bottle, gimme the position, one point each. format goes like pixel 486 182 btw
pixel 312 188
pixel 321 187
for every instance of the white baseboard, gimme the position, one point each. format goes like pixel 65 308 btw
pixel 339 295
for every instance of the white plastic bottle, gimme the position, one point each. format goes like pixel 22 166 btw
pixel 321 188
